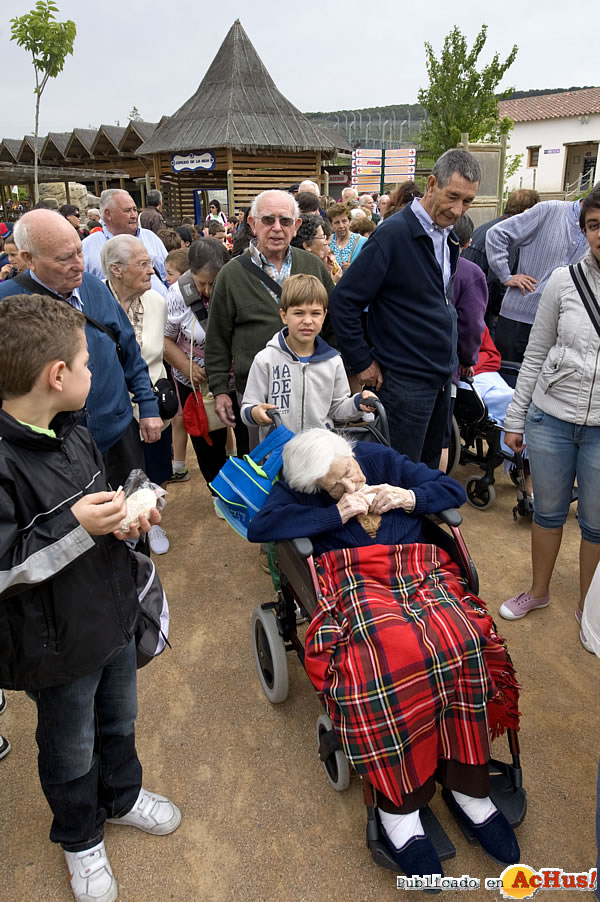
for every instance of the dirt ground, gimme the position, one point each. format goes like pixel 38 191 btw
pixel 260 821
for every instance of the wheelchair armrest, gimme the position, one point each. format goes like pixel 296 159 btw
pixel 303 547
pixel 451 516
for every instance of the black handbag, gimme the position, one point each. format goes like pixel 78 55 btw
pixel 168 402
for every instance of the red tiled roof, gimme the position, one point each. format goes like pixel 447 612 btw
pixel 552 106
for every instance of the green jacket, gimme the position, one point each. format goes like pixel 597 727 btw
pixel 244 316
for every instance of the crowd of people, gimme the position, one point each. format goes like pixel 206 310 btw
pixel 308 307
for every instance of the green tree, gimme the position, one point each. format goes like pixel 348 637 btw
pixel 460 98
pixel 49 42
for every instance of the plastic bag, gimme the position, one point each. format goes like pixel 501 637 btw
pixel 141 496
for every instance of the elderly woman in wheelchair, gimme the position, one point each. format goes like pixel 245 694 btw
pixel 412 672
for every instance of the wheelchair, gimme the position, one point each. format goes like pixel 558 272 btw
pixel 475 438
pixel 274 634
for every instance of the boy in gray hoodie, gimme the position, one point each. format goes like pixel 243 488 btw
pixel 298 373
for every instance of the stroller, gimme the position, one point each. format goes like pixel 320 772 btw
pixel 274 631
pixel 476 439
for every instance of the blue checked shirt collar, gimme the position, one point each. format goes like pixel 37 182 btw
pixel 74 298
pixel 261 261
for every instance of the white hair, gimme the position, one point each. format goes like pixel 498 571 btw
pixel 309 185
pixel 256 203
pixel 365 197
pixel 349 192
pixel 92 211
pixel 23 234
pixel 118 250
pixel 107 197
pixel 308 457
pixel 357 213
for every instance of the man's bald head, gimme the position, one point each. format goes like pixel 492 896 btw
pixel 51 249
pixel 274 219
pixel 349 194
pixel 280 198
pixel 35 229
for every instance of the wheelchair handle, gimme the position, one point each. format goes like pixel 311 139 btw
pixel 384 427
pixel 274 416
pixel 451 516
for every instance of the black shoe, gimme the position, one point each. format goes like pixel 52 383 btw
pixel 495 835
pixel 416 858
pixel 2 702
pixel 4 747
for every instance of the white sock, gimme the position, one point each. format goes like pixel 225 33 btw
pixel 400 827
pixel 478 810
pixel 178 466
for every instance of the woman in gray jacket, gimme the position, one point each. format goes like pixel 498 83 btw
pixel 557 404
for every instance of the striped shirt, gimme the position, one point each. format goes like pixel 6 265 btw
pixel 547 236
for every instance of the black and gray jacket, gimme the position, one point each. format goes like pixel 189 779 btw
pixel 68 600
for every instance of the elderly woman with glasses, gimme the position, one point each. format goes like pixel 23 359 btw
pixel 128 270
pixel 314 235
pixel 412 673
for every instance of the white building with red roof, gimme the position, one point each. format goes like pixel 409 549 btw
pixel 558 136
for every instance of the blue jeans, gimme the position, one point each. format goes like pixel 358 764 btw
pixel 417 415
pixel 559 452
pixel 88 765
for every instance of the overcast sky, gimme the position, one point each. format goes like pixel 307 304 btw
pixel 153 54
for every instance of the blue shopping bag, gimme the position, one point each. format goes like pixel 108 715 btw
pixel 242 486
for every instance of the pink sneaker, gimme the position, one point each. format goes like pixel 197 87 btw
pixel 582 636
pixel 522 604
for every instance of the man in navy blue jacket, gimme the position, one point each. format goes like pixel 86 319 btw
pixel 52 250
pixel 404 276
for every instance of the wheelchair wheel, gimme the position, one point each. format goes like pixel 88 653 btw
pixel 480 494
pixel 454 448
pixel 270 655
pixel 337 769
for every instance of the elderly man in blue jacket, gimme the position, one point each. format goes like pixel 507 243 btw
pixel 52 250
pixel 404 275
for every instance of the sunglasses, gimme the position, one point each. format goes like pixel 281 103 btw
pixel 284 221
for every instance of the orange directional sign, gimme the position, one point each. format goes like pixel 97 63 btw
pixel 401 152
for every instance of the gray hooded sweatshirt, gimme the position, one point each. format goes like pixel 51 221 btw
pixel 307 394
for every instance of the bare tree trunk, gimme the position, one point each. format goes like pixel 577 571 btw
pixel 36 187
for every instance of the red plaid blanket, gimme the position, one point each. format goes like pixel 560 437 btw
pixel 409 665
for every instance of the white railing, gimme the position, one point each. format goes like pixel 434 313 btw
pixel 582 183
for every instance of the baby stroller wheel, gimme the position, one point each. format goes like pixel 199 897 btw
pixel 480 494
pixel 270 655
pixel 332 755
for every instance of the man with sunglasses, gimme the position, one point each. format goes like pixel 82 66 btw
pixel 244 308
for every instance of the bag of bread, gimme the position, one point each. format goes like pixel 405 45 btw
pixel 141 496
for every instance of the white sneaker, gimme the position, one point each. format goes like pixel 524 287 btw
pixel 91 875
pixel 152 814
pixel 159 543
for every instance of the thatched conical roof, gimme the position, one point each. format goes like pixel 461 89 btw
pixel 237 105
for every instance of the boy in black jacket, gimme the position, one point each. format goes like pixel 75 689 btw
pixel 68 599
